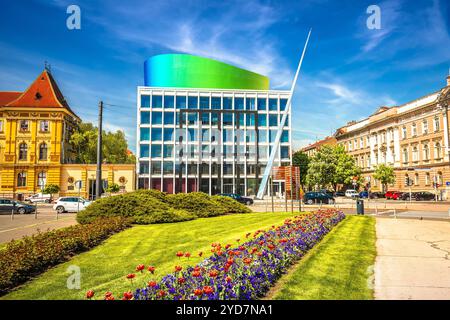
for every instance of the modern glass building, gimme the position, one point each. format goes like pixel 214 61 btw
pixel 204 125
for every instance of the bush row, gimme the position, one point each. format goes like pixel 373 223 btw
pixel 152 206
pixel 23 259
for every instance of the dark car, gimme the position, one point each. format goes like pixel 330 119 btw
pixel 238 198
pixel 424 196
pixel 406 196
pixel 339 194
pixel 376 195
pixel 317 197
pixel 8 205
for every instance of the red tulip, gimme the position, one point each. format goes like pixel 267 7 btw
pixel 181 280
pixel 198 292
pixel 90 294
pixel 208 290
pixel 180 254
pixel 247 260
pixel 178 268
pixel 151 269
pixel 161 293
pixel 200 254
pixel 213 273
pixel 109 298
pixel 127 295
pixel 187 254
pixel 196 274
pixel 151 284
pixel 140 267
pixel 131 276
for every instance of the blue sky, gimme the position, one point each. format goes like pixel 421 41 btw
pixel 348 71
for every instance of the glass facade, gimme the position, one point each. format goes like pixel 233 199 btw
pixel 212 141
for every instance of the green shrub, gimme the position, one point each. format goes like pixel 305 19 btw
pixel 230 205
pixel 23 259
pixel 141 207
pixel 198 203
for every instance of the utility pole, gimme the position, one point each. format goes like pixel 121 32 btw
pixel 98 183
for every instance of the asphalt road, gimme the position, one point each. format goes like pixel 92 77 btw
pixel 27 224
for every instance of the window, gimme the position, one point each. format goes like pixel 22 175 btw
pixel 43 151
pixel 416 179
pixel 239 104
pixel 157 118
pixel 273 104
pixel 404 133
pixel 169 102
pixel 144 167
pixel 262 136
pixel 156 134
pixel 168 134
pixel 157 101
pixel 361 143
pixel 437 150
pixel 415 154
pixel 427 178
pixel 168 151
pixel 426 152
pixel 215 103
pixel 262 104
pixel 22 179
pixel 436 123
pixel 144 151
pixel 262 120
pixel 284 152
pixel 273 120
pixel 41 180
pixel 192 102
pixel 168 167
pixel 227 103
pixel 405 155
pixel 156 151
pixel 204 102
pixel 145 134
pixel 425 126
pixel 23 150
pixel 227 119
pixel 145 101
pixel 24 125
pixel 44 126
pixel 283 103
pixel 169 118
pixel 145 117
pixel 272 135
pixel 1 125
pixel 285 136
pixel 250 104
pixel 181 102
pixel 414 129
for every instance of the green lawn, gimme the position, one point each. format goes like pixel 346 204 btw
pixel 105 267
pixel 335 269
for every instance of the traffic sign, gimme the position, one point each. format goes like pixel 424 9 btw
pixel 79 184
pixel 447 183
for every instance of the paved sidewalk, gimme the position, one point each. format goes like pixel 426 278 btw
pixel 413 259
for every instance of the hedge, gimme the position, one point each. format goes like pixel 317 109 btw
pixel 141 207
pixel 152 206
pixel 23 259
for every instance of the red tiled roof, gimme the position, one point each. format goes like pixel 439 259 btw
pixel 8 96
pixel 43 92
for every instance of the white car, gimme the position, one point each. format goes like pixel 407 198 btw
pixel 350 193
pixel 70 204
pixel 39 197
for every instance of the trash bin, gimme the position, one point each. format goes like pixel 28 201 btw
pixel 360 206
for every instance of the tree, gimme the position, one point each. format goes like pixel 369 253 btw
pixel 322 168
pixel 301 160
pixel 385 174
pixel 50 189
pixel 331 166
pixel 346 168
pixel 114 149
pixel 113 188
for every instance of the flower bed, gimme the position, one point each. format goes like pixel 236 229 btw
pixel 22 259
pixel 246 271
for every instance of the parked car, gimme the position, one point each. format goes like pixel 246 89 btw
pixel 351 193
pixel 424 196
pixel 238 198
pixel 39 197
pixel 339 194
pixel 405 196
pixel 8 205
pixel 364 194
pixel 327 192
pixel 70 204
pixel 393 195
pixel 317 197
pixel 376 195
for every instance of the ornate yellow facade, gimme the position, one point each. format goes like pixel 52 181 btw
pixel 35 128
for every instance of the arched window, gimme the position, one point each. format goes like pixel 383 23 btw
pixel 405 155
pixel 414 129
pixel 415 154
pixel 439 178
pixel 426 152
pixel 425 126
pixel 437 150
pixel 404 133
pixel 436 123
pixel 42 179
pixel 427 178
pixel 43 151
pixel 416 179
pixel 22 179
pixel 23 151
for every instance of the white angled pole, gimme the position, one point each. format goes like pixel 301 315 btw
pixel 262 186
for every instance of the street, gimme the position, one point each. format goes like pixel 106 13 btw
pixel 27 224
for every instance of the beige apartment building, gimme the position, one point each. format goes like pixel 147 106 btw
pixel 413 138
pixel 312 148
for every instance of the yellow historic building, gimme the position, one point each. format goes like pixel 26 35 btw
pixel 35 128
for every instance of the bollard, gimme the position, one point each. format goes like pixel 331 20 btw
pixel 35 211
pixel 12 214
